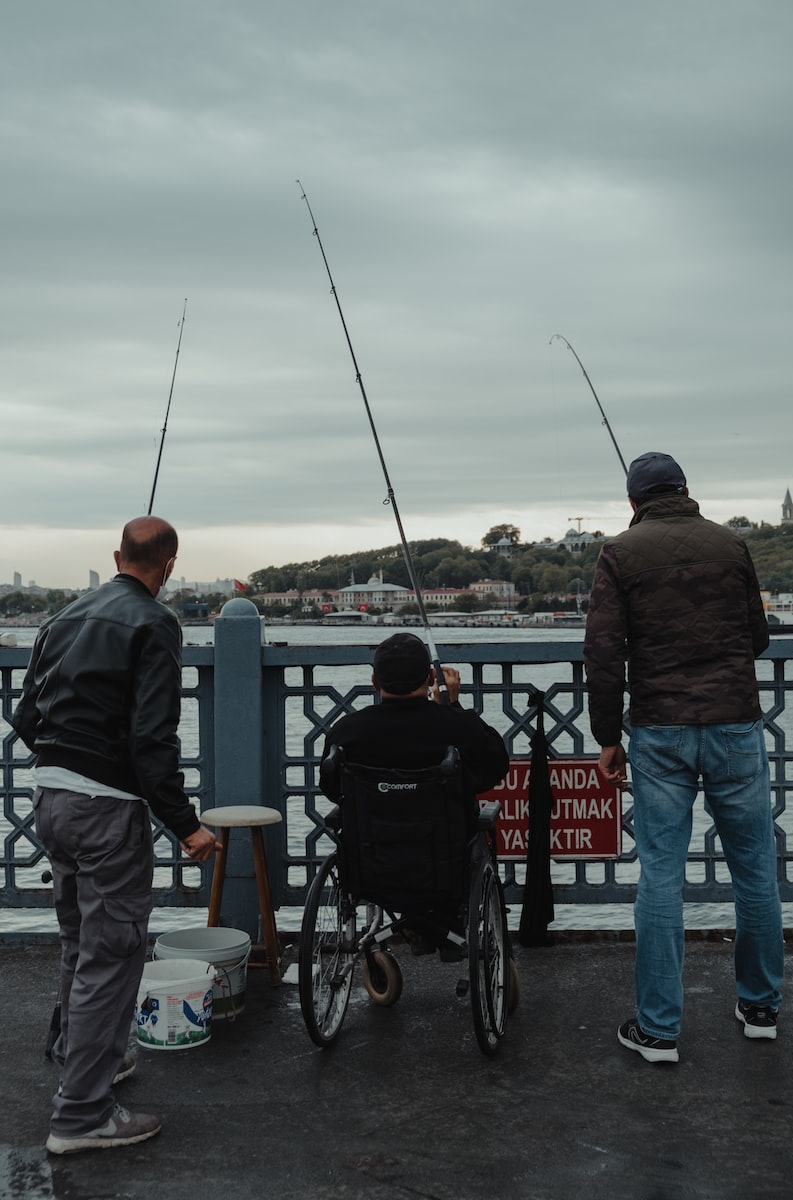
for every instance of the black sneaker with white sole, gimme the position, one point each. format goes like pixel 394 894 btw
pixel 652 1049
pixel 757 1022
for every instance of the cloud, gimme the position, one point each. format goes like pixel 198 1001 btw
pixel 482 177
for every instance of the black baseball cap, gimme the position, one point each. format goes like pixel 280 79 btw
pixel 652 474
pixel 401 663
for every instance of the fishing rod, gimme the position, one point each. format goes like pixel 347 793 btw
pixel 594 393
pixel 390 497
pixel 167 411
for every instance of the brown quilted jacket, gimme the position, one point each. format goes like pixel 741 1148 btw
pixel 676 597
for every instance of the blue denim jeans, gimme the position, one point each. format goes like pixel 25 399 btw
pixel 667 764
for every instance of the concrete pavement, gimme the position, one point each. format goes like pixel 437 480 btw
pixel 405 1106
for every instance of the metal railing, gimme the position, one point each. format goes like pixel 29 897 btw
pixel 253 725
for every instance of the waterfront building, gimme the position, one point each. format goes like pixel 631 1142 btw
pixel 442 598
pixel 374 594
pixel 306 600
pixel 502 590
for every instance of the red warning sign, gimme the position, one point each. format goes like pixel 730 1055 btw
pixel 586 820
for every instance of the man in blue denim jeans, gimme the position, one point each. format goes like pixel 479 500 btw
pixel 677 597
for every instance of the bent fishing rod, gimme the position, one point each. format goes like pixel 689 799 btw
pixel 390 497
pixel 167 411
pixel 594 393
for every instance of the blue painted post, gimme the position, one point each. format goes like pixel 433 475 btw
pixel 239 748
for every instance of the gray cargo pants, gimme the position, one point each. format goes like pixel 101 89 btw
pixel 101 854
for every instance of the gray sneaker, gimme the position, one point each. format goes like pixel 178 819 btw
pixel 122 1129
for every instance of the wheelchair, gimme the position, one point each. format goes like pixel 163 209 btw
pixel 413 858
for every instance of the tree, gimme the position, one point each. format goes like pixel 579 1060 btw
pixel 552 580
pixel 457 572
pixel 16 604
pixel 522 575
pixel 58 599
pixel 511 532
pixel 466 602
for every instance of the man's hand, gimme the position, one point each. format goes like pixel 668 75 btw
pixel 451 678
pixel 612 763
pixel 200 845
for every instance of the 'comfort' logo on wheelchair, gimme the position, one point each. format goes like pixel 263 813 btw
pixel 397 787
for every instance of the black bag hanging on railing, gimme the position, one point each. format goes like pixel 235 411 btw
pixel 537 911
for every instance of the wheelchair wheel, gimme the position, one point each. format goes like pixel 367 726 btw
pixel 382 977
pixel 327 955
pixel 488 957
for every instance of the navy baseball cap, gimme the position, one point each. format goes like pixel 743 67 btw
pixel 401 664
pixel 652 474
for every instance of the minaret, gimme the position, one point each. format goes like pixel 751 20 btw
pixel 787 509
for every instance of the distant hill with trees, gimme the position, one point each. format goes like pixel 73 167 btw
pixel 542 572
pixel 544 575
pixel 771 548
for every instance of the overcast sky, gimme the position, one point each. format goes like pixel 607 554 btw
pixel 483 173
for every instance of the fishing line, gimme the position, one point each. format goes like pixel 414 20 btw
pixel 390 497
pixel 594 393
pixel 167 411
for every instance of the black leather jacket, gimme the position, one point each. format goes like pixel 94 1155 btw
pixel 102 696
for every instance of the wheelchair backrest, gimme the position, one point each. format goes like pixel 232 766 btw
pixel 405 834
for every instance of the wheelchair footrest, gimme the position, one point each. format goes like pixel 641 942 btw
pixel 462 988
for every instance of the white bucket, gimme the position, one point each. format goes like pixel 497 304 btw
pixel 227 949
pixel 174 1005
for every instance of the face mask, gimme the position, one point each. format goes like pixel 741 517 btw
pixel 162 593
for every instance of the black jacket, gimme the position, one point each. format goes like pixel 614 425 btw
pixel 102 696
pixel 413 733
pixel 677 596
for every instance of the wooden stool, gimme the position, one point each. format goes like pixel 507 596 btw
pixel 254 816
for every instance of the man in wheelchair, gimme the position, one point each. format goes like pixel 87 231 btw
pixel 410 841
pixel 412 728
